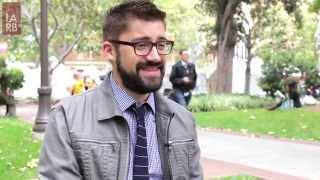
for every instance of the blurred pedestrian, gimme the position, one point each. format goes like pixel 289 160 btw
pixel 78 85
pixel 291 99
pixel 183 77
pixel 89 83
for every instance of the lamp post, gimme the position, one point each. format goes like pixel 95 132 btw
pixel 45 90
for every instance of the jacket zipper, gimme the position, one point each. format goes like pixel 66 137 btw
pixel 168 145
pixel 170 148
pixel 112 143
pixel 129 149
pixel 180 141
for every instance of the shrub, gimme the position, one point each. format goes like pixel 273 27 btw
pixel 10 80
pixel 222 102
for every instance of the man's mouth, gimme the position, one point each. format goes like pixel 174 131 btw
pixel 151 70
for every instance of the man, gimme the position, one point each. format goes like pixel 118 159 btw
pixel 183 77
pixel 124 129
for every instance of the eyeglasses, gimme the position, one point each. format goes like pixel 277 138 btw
pixel 143 48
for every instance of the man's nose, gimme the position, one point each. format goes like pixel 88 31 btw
pixel 153 55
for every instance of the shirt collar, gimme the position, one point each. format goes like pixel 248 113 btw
pixel 183 62
pixel 124 100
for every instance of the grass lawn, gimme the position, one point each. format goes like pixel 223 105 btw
pixel 18 151
pixel 294 124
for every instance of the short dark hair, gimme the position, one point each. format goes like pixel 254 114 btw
pixel 117 18
pixel 181 51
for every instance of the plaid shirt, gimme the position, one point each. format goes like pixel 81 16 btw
pixel 125 101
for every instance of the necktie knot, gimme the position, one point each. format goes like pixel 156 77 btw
pixel 139 111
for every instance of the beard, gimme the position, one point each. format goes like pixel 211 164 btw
pixel 134 82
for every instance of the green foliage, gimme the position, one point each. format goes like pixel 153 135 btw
pixel 315 6
pixel 289 51
pixel 227 102
pixel 84 18
pixel 18 151
pixel 16 78
pixel 183 22
pixel 10 80
pixel 221 9
pixel 67 20
pixel 285 65
pixel 294 124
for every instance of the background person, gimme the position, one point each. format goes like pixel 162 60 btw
pixel 89 83
pixel 291 99
pixel 78 85
pixel 183 77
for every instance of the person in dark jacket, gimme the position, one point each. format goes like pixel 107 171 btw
pixel 183 78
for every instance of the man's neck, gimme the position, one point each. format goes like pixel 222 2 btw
pixel 184 62
pixel 139 98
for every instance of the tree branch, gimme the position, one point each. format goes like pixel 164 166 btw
pixel 227 20
pixel 229 11
pixel 34 28
pixel 69 49
pixel 56 27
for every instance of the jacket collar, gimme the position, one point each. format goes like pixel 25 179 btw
pixel 107 104
pixel 108 107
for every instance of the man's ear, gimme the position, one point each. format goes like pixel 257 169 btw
pixel 108 51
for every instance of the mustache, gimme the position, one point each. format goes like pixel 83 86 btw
pixel 142 65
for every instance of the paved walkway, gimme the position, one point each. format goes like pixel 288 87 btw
pixel 271 159
pixel 226 154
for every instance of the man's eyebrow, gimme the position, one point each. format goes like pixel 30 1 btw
pixel 147 39
pixel 141 39
pixel 162 38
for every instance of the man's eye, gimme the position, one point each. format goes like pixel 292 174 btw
pixel 141 45
pixel 162 45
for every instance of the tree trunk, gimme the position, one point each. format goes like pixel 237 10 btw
pixel 11 109
pixel 247 78
pixel 248 64
pixel 224 70
pixel 227 37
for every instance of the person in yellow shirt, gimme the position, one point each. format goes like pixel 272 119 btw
pixel 78 86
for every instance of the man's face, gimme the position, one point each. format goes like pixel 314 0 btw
pixel 184 56
pixel 140 74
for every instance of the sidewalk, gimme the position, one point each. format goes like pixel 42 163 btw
pixel 266 158
pixel 228 155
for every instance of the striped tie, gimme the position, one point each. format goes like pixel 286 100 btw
pixel 140 162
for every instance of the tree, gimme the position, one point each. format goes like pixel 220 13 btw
pixel 71 24
pixel 183 22
pixel 66 17
pixel 226 30
pixel 290 50
pixel 315 7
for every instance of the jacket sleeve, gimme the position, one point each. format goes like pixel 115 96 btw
pixel 195 73
pixel 173 77
pixel 196 172
pixel 194 76
pixel 57 159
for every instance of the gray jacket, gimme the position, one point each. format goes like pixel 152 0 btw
pixel 88 138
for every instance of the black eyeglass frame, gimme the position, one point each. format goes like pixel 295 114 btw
pixel 134 44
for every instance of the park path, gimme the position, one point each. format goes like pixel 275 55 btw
pixel 227 154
